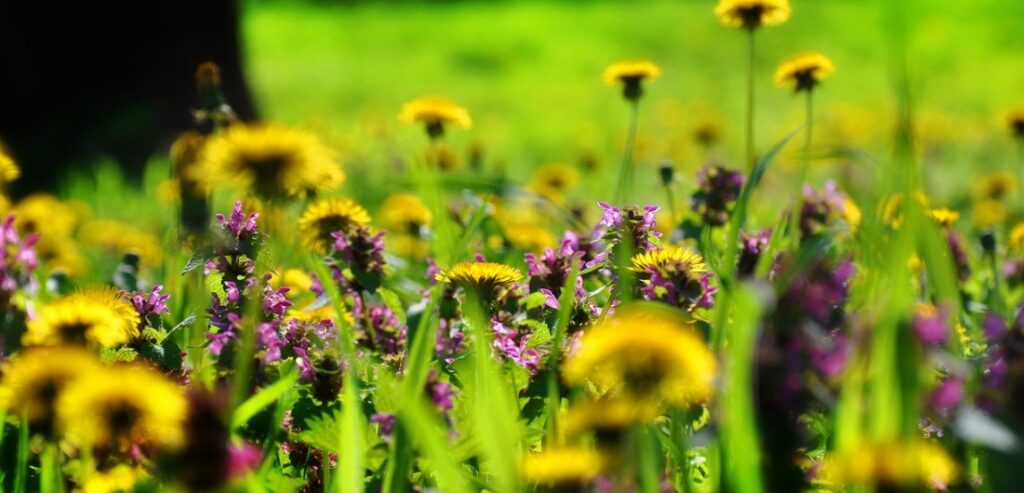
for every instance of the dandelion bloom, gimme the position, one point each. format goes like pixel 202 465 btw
pixel 1016 238
pixel 325 217
pixel 9 171
pixel 96 316
pixel 915 463
pixel 123 405
pixel 563 466
pixel 804 72
pixel 479 275
pixel 943 216
pixel 121 239
pixel 435 113
pixel 996 185
pixel 269 161
pixel 675 275
pixel 751 14
pixel 551 181
pixel 34 379
pixel 404 213
pixel 631 73
pixel 646 353
pixel 607 417
pixel 121 477
pixel 988 213
pixel 1015 122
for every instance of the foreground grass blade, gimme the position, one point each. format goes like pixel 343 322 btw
pixel 741 451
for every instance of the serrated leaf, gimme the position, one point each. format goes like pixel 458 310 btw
pixel 198 259
pixel 119 355
pixel 188 322
pixel 540 336
pixel 323 432
pixel 536 300
pixel 277 481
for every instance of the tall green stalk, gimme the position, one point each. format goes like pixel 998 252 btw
pixel 626 170
pixel 750 100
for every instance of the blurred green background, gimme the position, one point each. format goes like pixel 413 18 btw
pixel 529 73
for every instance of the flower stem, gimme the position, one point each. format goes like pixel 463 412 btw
pixel 750 100
pixel 626 171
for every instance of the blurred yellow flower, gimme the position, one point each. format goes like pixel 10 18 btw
pixel 404 213
pixel 9 170
pixel 270 161
pixel 479 275
pixel 122 405
pixel 46 215
pixel 120 478
pixel 943 216
pixel 35 377
pixel 330 216
pixel 1016 241
pixel 917 463
pixel 751 14
pixel 803 72
pixel 562 466
pixel 551 181
pixel 645 353
pixel 630 70
pixel 988 213
pixel 996 185
pixel 1015 122
pixel 435 114
pixel 95 316
pixel 122 239
pixel 607 416
pixel 525 229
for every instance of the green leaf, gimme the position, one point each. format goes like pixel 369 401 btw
pixel 247 409
pixel 393 302
pixel 324 432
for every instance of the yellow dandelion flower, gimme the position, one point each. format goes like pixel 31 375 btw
pixel 297 281
pixel 435 113
pixel 479 275
pixel 123 405
pixel 404 213
pixel 943 216
pixel 552 181
pixel 607 416
pixel 443 157
pixel 34 379
pixel 804 72
pixel 915 463
pixel 61 255
pixel 1017 238
pixel 329 216
pixel 851 213
pixel 269 161
pixel 120 478
pixel 988 213
pixel 672 258
pixel 525 229
pixel 564 466
pixel 9 170
pixel 1015 122
pixel 997 185
pixel 751 14
pixel 631 74
pixel 94 316
pixel 646 353
pixel 409 245
pixel 187 150
pixel 46 215
pixel 122 239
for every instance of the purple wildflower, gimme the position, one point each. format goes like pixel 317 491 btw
pixel 752 246
pixel 718 189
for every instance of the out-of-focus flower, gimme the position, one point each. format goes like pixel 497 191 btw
pixel 647 353
pixel 916 463
pixel 804 72
pixel 1015 122
pixel 122 239
pixel 631 74
pixel 751 14
pixel 18 261
pixel 404 213
pixel 563 467
pixel 674 275
pixel 34 379
pixel 997 185
pixel 326 217
pixel 121 477
pixel 120 406
pixel 989 213
pixel 552 181
pixel 607 418
pixel 820 210
pixel 269 161
pixel 943 216
pixel 435 114
pixel 9 170
pixel 52 219
pixel 95 316
pixel 752 246
pixel 930 325
pixel 358 259
pixel 525 229
pixel 718 189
